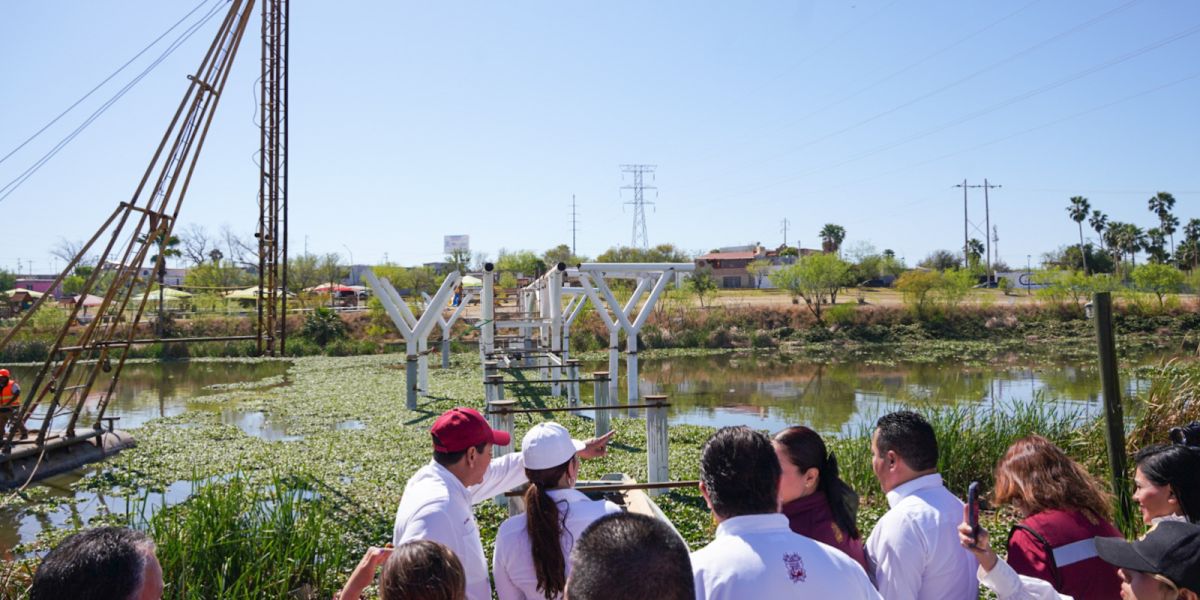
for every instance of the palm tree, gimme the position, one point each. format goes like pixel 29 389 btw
pixel 1079 213
pixel 1161 204
pixel 1156 241
pixel 1170 224
pixel 832 237
pixel 1099 222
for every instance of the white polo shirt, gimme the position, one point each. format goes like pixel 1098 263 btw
pixel 759 556
pixel 512 560
pixel 436 506
pixel 915 547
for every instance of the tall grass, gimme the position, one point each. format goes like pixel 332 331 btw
pixel 237 539
pixel 970 441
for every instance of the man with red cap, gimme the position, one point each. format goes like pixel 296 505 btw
pixel 10 400
pixel 437 500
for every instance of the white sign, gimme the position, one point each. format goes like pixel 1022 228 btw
pixel 453 243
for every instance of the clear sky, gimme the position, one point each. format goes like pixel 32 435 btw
pixel 410 121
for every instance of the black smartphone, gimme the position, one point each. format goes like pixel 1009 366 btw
pixel 973 513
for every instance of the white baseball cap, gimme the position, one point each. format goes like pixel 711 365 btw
pixel 548 445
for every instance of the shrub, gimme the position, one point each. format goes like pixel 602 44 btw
pixel 322 326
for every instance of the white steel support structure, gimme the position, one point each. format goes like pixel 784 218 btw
pixel 447 323
pixel 415 330
pixel 652 279
pixel 487 326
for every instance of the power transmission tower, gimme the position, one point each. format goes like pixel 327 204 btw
pixel 784 227
pixel 639 202
pixel 574 223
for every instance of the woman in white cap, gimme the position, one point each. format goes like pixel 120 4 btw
pixel 530 558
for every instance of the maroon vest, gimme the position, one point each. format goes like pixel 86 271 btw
pixel 1059 547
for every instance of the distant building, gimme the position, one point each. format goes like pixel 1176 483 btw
pixel 730 265
pixel 40 284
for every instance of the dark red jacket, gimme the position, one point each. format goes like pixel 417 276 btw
pixel 811 517
pixel 1064 556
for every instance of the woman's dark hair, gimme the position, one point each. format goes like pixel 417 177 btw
pixel 1177 466
pixel 806 450
pixel 422 570
pixel 544 522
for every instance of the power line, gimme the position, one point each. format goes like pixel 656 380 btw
pixel 990 109
pixel 943 88
pixel 14 184
pixel 639 202
pixel 101 84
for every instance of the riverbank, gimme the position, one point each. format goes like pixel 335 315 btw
pixel 350 437
pixel 676 323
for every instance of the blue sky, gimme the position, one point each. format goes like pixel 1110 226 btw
pixel 410 121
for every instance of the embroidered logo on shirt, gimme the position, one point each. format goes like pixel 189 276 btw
pixel 795 566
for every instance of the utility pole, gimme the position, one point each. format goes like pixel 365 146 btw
pixel 785 224
pixel 996 241
pixel 966 235
pixel 988 227
pixel 573 225
pixel 640 239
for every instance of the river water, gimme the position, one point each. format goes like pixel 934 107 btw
pixel 766 391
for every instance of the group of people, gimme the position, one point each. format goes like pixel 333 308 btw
pixel 786 526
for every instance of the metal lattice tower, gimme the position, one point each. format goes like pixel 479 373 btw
pixel 640 239
pixel 272 188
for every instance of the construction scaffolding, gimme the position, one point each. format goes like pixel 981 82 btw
pixel 93 356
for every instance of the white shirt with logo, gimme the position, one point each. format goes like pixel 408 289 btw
pixel 436 506
pixel 512 561
pixel 759 556
pixel 915 547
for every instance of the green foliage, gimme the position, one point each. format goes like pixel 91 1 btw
pixel 814 278
pixel 927 292
pixel 916 288
pixel 657 254
pixel 8 281
pixel 757 269
pixel 322 326
pixel 842 314
pixel 73 284
pixel 304 271
pixel 237 539
pixel 702 284
pixel 1158 279
pixel 217 277
pixel 507 281
pixel 562 254
pixel 832 236
pixel 942 260
pixel 521 262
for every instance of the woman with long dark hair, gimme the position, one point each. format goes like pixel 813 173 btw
pixel 818 504
pixel 530 557
pixel 1167 483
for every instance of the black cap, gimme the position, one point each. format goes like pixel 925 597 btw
pixel 1171 549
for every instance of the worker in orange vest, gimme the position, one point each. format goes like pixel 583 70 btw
pixel 10 400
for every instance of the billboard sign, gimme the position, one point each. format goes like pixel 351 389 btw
pixel 455 243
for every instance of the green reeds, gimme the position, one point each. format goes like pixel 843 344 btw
pixel 240 539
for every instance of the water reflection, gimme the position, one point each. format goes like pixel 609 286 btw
pixel 772 391
pixel 152 390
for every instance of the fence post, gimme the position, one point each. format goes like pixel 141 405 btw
pixel 573 383
pixel 445 353
pixel 410 381
pixel 600 400
pixel 1114 417
pixel 657 448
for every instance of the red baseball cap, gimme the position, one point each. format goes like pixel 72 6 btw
pixel 461 428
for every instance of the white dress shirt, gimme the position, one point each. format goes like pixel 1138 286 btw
pixel 915 547
pixel 759 556
pixel 436 506
pixel 512 560
pixel 1008 585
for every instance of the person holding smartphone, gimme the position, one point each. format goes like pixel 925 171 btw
pixel 1064 510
